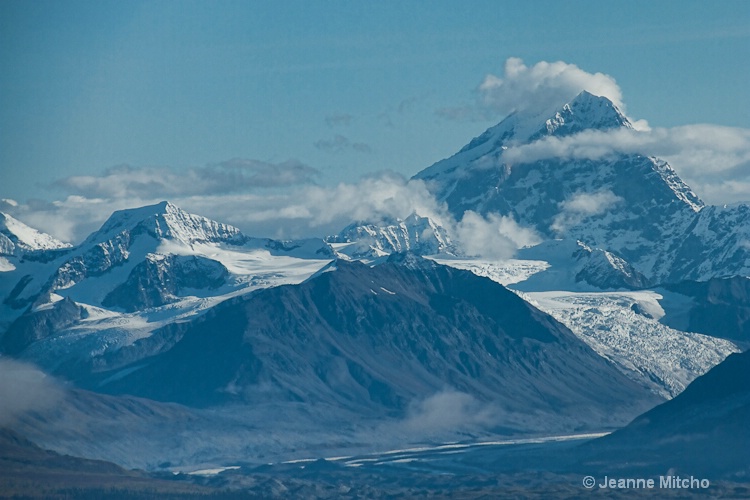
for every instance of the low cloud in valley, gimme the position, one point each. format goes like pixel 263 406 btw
pixel 24 388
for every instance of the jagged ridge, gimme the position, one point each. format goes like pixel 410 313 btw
pixel 416 234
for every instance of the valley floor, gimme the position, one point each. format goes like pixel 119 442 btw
pixel 543 468
pixel 552 467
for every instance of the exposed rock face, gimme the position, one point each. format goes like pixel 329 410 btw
pixel 160 278
pixel 574 264
pixel 36 325
pixel 111 245
pixel 718 307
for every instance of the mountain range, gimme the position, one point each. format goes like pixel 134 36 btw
pixel 390 331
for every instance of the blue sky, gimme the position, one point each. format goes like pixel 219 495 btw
pixel 342 89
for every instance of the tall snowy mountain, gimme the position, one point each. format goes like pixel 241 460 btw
pixel 632 205
pixel 129 236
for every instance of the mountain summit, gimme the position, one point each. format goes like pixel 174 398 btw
pixel 633 205
pixel 17 238
pixel 585 112
pixel 165 221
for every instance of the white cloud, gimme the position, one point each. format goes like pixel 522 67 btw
pixel 299 211
pixel 710 148
pixel 723 192
pixel 70 219
pixel 581 205
pixel 496 237
pixel 543 85
pixel 234 175
pixel 448 411
pixel 24 388
pixel 591 203
pixel 540 88
pixel 714 160
pixel 589 144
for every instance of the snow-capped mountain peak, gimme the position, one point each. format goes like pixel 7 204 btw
pixel 16 237
pixel 629 204
pixel 117 248
pixel 166 221
pixel 586 111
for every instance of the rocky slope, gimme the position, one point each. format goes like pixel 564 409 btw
pixel 718 307
pixel 379 340
pixel 702 432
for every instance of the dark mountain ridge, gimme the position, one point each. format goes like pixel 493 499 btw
pixel 702 431
pixel 376 340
